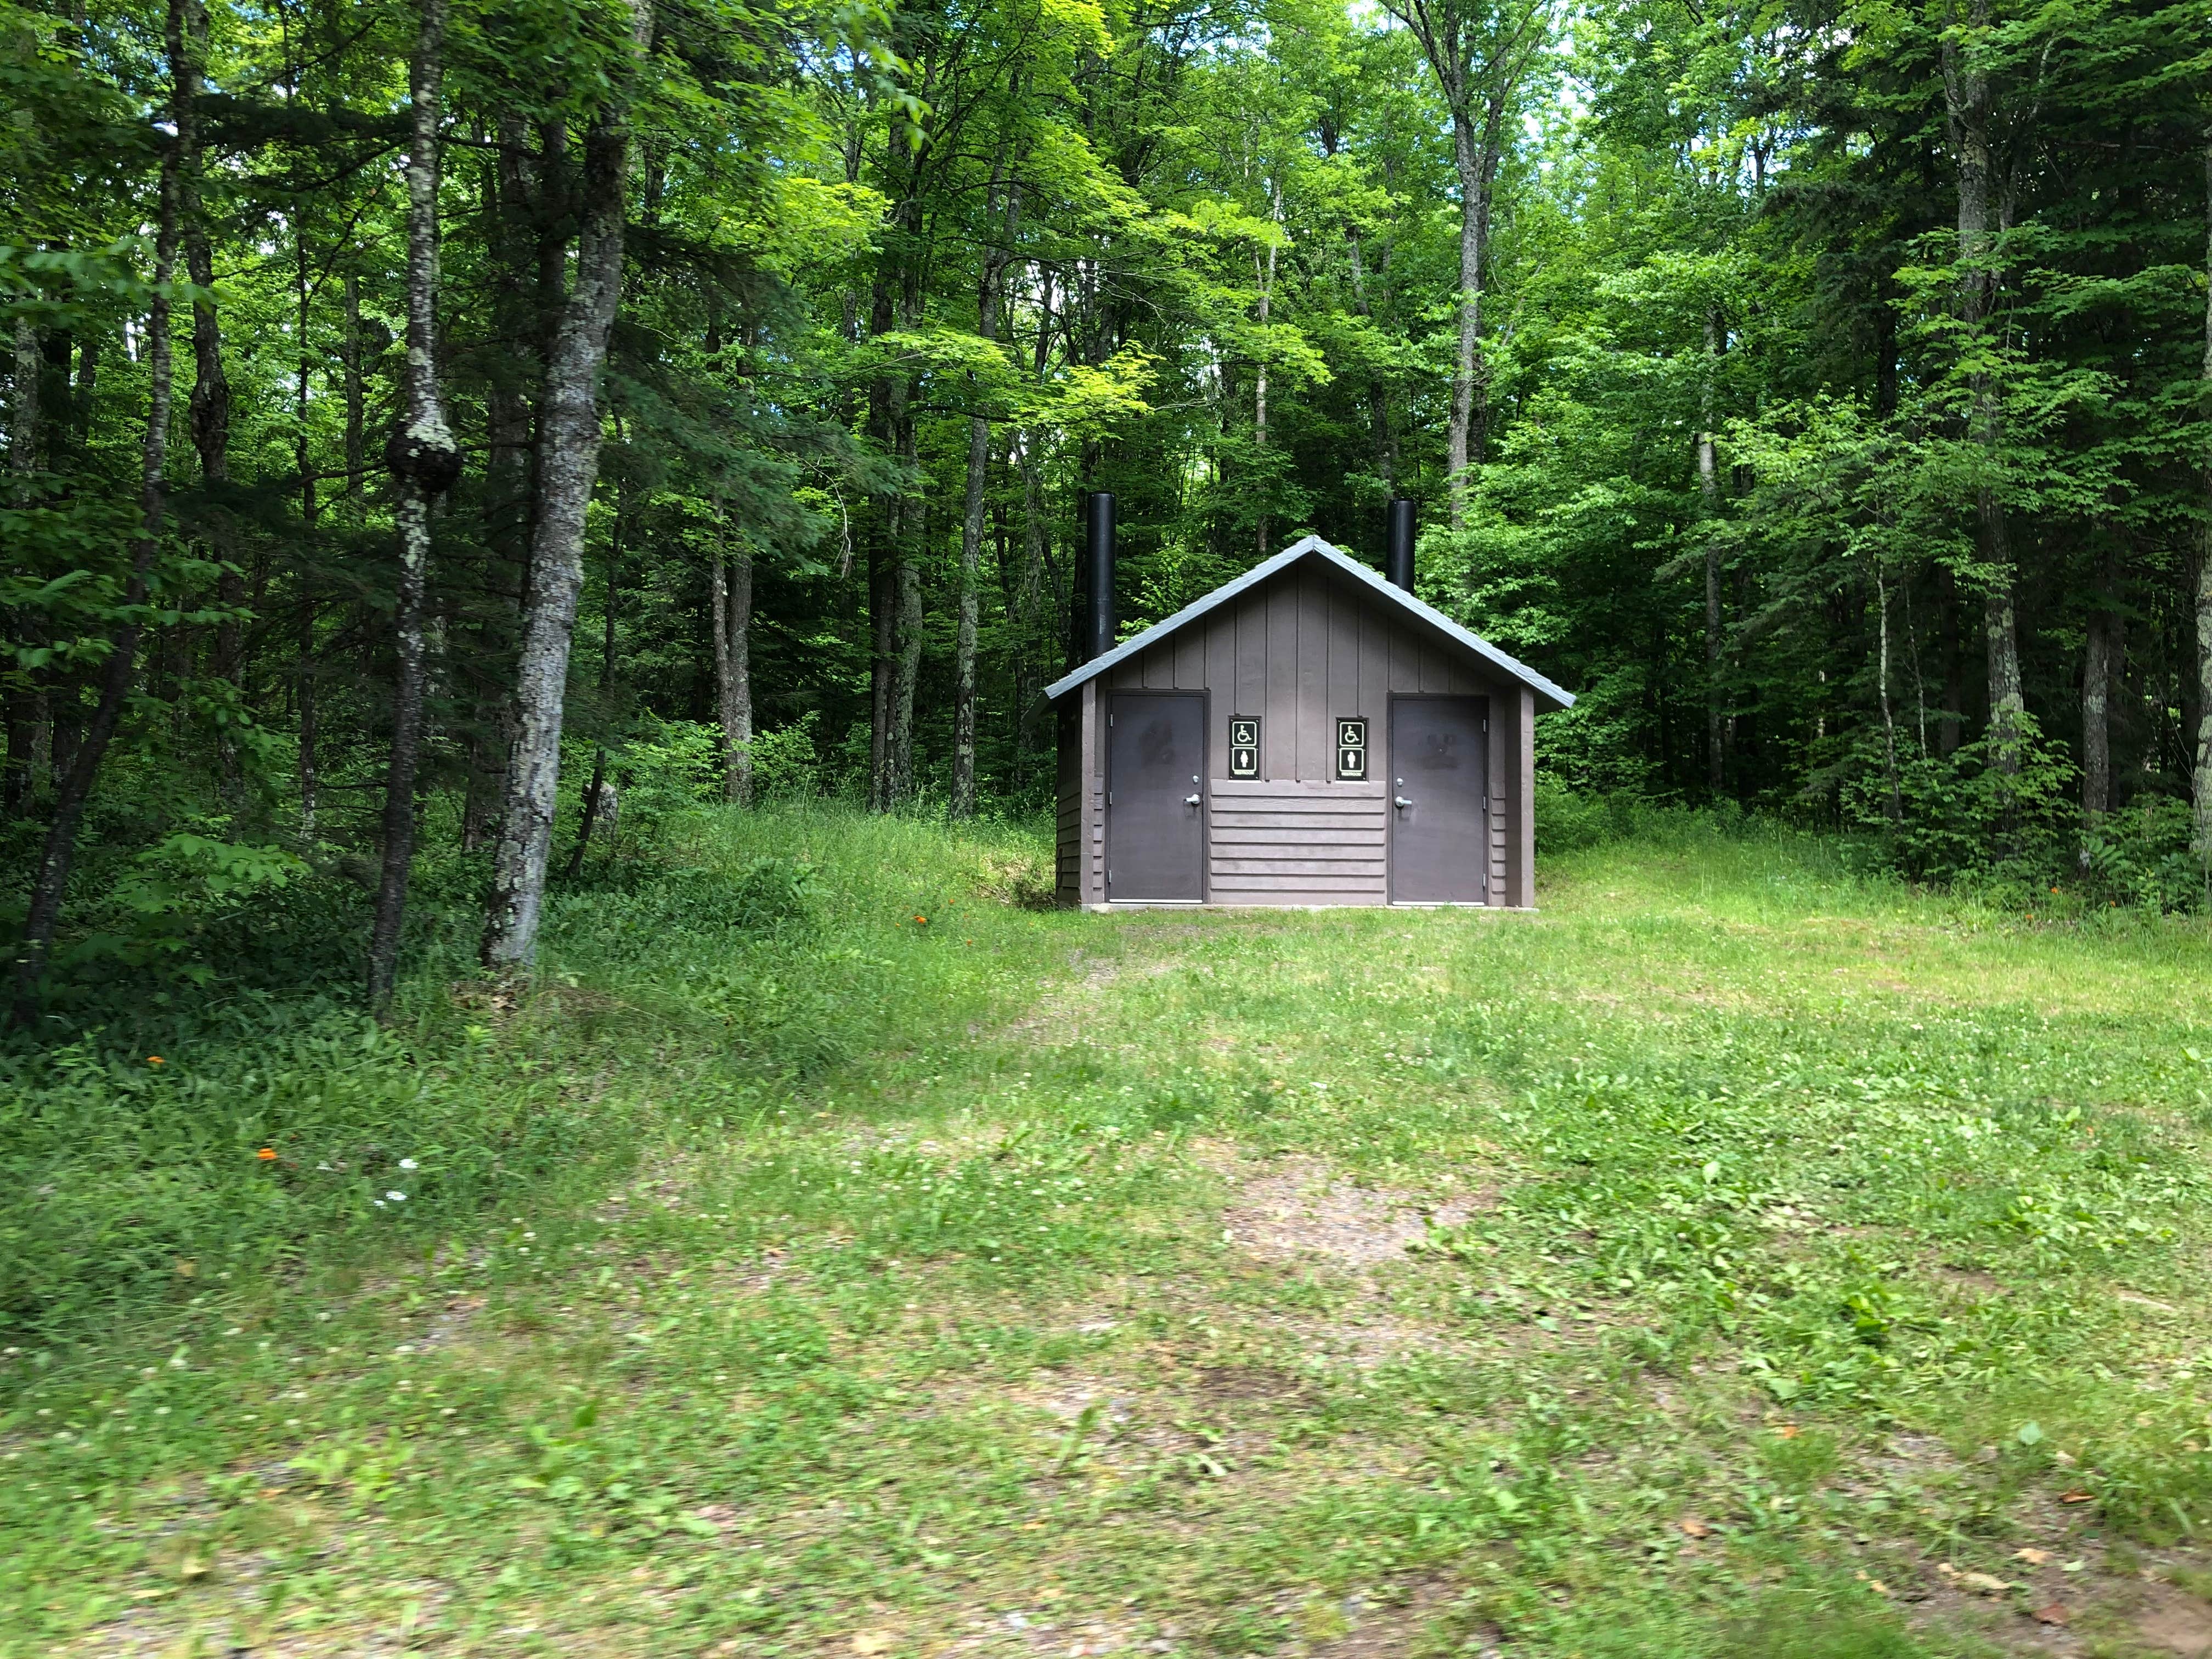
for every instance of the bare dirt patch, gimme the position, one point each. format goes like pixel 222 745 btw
pixel 2178 1624
pixel 1299 1208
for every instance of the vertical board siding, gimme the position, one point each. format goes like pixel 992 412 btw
pixel 1067 817
pixel 1091 743
pixel 1300 651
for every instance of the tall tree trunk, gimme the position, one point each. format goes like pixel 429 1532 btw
pixel 592 795
pixel 424 461
pixel 1032 641
pixel 16 787
pixel 569 461
pixel 303 678
pixel 23 400
pixel 1267 278
pixel 883 649
pixel 887 396
pixel 733 607
pixel 1888 721
pixel 117 674
pixel 738 649
pixel 2202 735
pixel 1378 400
pixel 1709 491
pixel 963 640
pixel 357 400
pixel 907 676
pixel 209 408
pixel 519 209
pixel 1967 102
pixel 971 533
pixel 1474 155
pixel 2100 666
pixel 718 625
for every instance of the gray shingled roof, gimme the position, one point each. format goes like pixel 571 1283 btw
pixel 1311 547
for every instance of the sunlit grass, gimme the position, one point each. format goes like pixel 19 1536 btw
pixel 1803 1246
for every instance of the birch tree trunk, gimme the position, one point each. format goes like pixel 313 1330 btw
pixel 23 399
pixel 424 460
pixel 963 640
pixel 738 652
pixel 725 706
pixel 74 786
pixel 568 462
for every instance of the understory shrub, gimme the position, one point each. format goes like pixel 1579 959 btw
pixel 158 1131
pixel 2141 856
pixel 2016 836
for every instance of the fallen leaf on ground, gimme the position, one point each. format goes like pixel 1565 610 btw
pixel 1695 1528
pixel 874 1641
pixel 2033 1557
pixel 2055 1614
pixel 1983 1584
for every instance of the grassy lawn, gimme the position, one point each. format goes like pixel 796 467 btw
pixel 1732 1259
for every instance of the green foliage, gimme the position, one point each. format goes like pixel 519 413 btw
pixel 2144 856
pixel 1965 817
pixel 786 764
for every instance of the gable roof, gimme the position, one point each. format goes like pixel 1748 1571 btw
pixel 1312 547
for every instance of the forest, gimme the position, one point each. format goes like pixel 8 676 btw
pixel 428 426
pixel 547 1105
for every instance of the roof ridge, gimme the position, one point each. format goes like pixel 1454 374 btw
pixel 1307 546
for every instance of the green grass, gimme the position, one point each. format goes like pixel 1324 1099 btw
pixel 1800 1251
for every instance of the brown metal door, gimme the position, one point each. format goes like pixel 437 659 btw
pixel 1155 796
pixel 1439 800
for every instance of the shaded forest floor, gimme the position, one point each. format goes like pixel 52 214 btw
pixel 1731 1259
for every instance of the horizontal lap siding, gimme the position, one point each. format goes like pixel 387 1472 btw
pixel 1293 842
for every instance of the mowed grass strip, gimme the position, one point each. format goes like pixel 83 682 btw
pixel 1735 1257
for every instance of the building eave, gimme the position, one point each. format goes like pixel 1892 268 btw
pixel 1314 547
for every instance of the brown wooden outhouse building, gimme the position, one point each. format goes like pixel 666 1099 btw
pixel 1308 734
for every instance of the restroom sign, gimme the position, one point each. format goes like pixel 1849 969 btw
pixel 1244 746
pixel 1352 749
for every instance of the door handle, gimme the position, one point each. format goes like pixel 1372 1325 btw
pixel 1192 800
pixel 1402 803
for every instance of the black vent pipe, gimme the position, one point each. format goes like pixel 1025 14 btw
pixel 1095 627
pixel 1398 554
